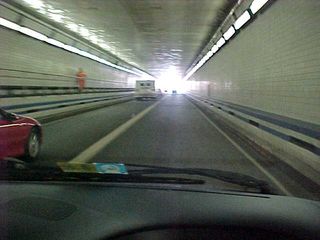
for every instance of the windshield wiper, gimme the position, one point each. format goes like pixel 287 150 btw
pixel 16 170
pixel 225 176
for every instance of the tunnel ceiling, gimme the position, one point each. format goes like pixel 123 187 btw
pixel 155 35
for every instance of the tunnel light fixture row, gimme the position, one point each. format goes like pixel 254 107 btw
pixel 39 36
pixel 255 6
pixel 8 24
pixel 214 49
pixel 245 17
pixel 54 42
pixel 221 42
pixel 229 33
pixel 32 33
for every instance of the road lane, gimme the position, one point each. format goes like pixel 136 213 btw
pixel 95 148
pixel 175 134
pixel 66 138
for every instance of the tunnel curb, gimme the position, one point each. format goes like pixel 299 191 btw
pixel 260 147
pixel 56 116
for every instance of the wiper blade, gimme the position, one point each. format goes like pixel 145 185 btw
pixel 226 176
pixel 94 177
pixel 16 170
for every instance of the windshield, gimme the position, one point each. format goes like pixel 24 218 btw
pixel 217 95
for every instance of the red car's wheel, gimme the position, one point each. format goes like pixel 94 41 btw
pixel 33 145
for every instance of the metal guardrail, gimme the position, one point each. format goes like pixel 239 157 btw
pixel 59 102
pixel 38 107
pixel 246 114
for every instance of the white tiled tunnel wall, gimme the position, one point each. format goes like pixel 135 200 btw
pixel 20 52
pixel 273 64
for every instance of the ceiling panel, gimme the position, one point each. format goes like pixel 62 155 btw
pixel 156 35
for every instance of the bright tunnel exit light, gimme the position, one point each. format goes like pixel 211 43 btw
pixel 256 5
pixel 171 80
pixel 242 20
pixel 229 33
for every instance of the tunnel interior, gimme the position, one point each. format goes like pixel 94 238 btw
pixel 228 75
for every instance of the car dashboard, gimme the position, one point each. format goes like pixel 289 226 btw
pixel 73 210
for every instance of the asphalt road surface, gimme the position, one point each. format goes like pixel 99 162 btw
pixel 172 133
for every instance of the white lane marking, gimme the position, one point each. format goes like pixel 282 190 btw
pixel 95 148
pixel 251 159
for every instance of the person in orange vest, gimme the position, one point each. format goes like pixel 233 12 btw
pixel 81 79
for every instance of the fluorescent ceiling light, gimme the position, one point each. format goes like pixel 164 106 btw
pixel 229 33
pixel 242 20
pixel 191 73
pixel 202 61
pixel 85 54
pixel 100 60
pixel 221 42
pixel 199 65
pixel 41 37
pixel 206 58
pixel 126 70
pixel 96 58
pixel 72 49
pixel 32 33
pixel 9 24
pixel 245 17
pixel 106 62
pixel 215 48
pixel 210 53
pixel 186 77
pixel 256 5
pixel 54 42
pixel 89 55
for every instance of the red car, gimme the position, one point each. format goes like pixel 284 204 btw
pixel 20 136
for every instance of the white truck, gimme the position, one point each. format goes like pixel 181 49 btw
pixel 145 89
